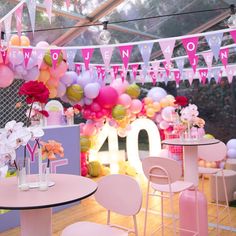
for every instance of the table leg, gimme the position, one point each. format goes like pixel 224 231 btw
pixel 191 164
pixel 36 222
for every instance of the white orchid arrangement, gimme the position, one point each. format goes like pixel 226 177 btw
pixel 189 114
pixel 12 137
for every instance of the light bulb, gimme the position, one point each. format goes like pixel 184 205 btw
pixel 232 21
pixel 104 37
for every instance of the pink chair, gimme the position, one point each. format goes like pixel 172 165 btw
pixel 210 153
pixel 118 193
pixel 163 175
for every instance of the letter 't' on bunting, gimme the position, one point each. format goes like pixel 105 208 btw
pixel 18 17
pixel 31 4
pixel 125 53
pixel 190 45
pixel 167 47
pixel 27 54
pixel 214 42
pixel 106 55
pixel 87 54
pixel 54 56
pixel 145 50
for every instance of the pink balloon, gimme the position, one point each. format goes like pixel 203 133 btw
pixel 89 130
pixel 164 124
pixel 107 97
pixel 119 85
pixel 95 107
pixel 6 75
pixel 84 171
pixel 125 100
pixel 136 106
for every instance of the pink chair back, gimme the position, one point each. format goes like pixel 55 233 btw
pixel 161 170
pixel 214 152
pixel 120 194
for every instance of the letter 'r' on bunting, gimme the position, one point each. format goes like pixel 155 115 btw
pixel 87 54
pixel 125 53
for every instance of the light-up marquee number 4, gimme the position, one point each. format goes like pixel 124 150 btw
pixel 132 140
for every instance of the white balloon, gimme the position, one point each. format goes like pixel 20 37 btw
pixel 157 94
pixel 164 124
pixel 231 144
pixel 91 90
pixel 88 101
pixel 231 153
pixel 168 113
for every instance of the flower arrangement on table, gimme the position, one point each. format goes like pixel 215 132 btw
pixel 187 118
pixel 70 112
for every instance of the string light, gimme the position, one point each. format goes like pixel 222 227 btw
pixel 104 36
pixel 232 19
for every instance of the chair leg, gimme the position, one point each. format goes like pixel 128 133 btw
pixel 172 213
pixel 146 210
pixel 217 206
pixel 227 201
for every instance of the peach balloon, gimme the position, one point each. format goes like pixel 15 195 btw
pixel 52 92
pixel 52 83
pixel 24 41
pixel 156 106
pixel 15 40
pixel 44 76
pixel 164 102
pixel 150 112
pixel 201 163
pixel 148 100
pixel 60 70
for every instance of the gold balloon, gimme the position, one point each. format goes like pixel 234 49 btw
pixel 118 112
pixel 85 143
pixel 48 60
pixel 133 91
pixel 75 93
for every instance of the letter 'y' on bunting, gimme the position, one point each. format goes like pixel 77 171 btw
pixel 125 52
pixel 87 54
pixel 18 16
pixel 190 45
pixel 167 47
pixel 106 55
pixel 31 4
pixel 54 56
pixel 48 6
pixel 214 42
pixel 224 55
pixel 145 50
pixel 203 75
pixel 27 53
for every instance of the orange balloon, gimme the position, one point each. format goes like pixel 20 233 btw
pixel 24 41
pixel 15 40
pixel 147 100
pixel 52 83
pixel 52 92
pixel 156 106
pixel 44 76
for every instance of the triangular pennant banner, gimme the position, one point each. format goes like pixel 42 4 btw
pixel 68 4
pixel 214 42
pixel 123 74
pixel 7 25
pixel 70 58
pixel 208 57
pixel 125 53
pixel 189 76
pixel 215 72
pixel 190 45
pixel 230 73
pixel 177 76
pixel 224 55
pixel 87 54
pixel 40 55
pixel 27 54
pixel 115 70
pixel 233 35
pixel 145 50
pixel 77 68
pixel 54 56
pixel 153 77
pixel 18 16
pixel 203 75
pixel 31 4
pixel 106 55
pixel 134 70
pixel 194 63
pixel 103 73
pixel 167 47
pixel 167 68
pixel 155 65
pixel 99 71
pixel 48 6
pixel 180 64
pixel 4 54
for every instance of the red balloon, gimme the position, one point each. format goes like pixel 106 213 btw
pixel 107 97
pixel 83 157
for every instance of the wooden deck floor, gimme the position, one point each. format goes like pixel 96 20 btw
pixel 89 210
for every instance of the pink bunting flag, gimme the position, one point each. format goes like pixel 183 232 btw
pixel 167 68
pixel 203 75
pixel 106 55
pixel 167 47
pixel 7 25
pixel 220 76
pixel 230 71
pixel 115 70
pixel 189 75
pixel 99 71
pixel 153 77
pixel 27 54
pixel 123 74
pixel 177 76
pixel 125 52
pixel 194 63
pixel 18 17
pixel 77 68
pixel 40 55
pixel 4 54
pixel 224 55
pixel 31 4
pixel 155 65
pixel 48 6
pixel 233 35
pixel 103 73
pixel 54 56
pixel 68 4
pixel 190 45
pixel 134 70
pixel 87 54
pixel 208 57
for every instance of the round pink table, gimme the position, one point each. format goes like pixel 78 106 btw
pixel 190 148
pixel 36 206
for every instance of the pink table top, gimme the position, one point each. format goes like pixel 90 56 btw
pixel 183 142
pixel 67 189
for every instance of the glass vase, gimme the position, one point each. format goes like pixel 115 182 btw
pixel 22 174
pixel 44 180
pixel 70 120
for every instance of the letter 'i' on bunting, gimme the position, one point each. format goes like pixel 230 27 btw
pixel 125 53
pixel 214 42
pixel 87 54
pixel 54 56
pixel 224 54
pixel 27 54
pixel 18 17
pixel 167 47
pixel 145 50
pixel 106 55
pixel 203 75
